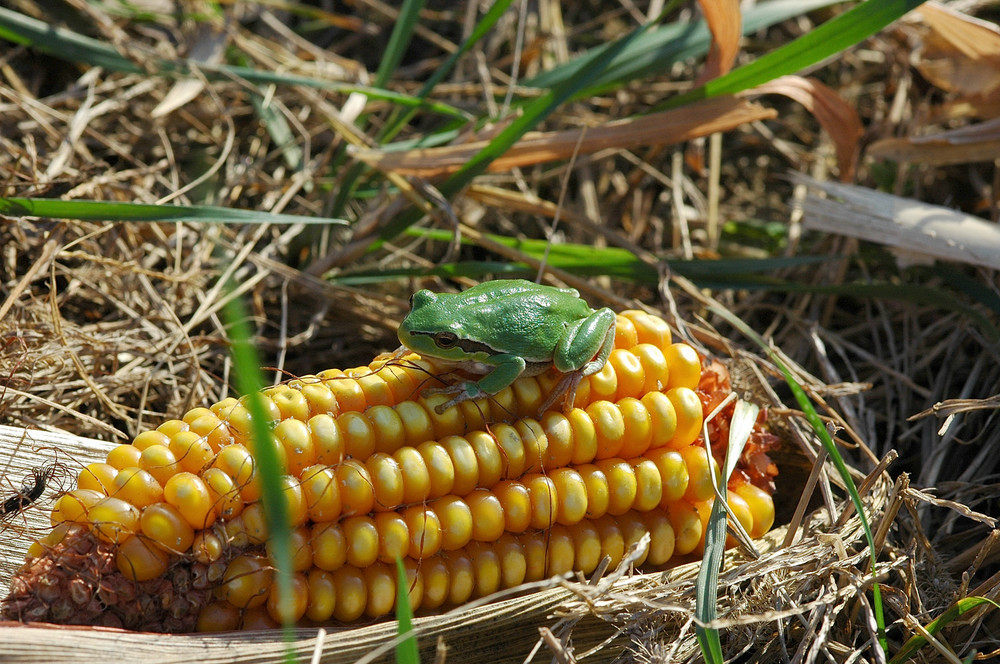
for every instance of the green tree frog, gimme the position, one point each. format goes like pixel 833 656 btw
pixel 506 329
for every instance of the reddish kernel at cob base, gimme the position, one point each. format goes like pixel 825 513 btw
pixel 168 534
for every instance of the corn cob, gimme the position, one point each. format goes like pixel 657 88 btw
pixel 372 472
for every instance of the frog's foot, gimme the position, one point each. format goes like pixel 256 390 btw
pixel 565 389
pixel 464 391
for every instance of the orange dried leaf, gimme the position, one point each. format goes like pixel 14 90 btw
pixel 725 23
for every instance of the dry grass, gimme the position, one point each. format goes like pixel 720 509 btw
pixel 105 329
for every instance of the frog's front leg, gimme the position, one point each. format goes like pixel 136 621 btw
pixel 583 350
pixel 506 369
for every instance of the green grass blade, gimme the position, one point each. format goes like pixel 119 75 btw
pixel 406 651
pixel 532 114
pixel 706 599
pixel 917 641
pixel 124 211
pixel 79 49
pixel 831 449
pixel 841 32
pixel 658 50
pixel 62 43
pixel 249 382
pixel 399 41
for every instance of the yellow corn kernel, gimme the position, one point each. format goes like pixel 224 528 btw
pixel 288 610
pixel 416 476
pixel 98 477
pixel 257 618
pixel 237 462
pixel 225 495
pixel 513 565
pixel 535 558
pixel 663 418
pixel 164 525
pixel 321 493
pixel 612 540
pixel 348 394
pixel 247 581
pixel 148 438
pixel 528 395
pixel 296 439
pixel 661 537
pixel 362 540
pixel 511 450
pixel 622 485
pixel 300 544
pixel 218 617
pixel 633 529
pixel 464 463
pixel 359 435
pixel 436 583
pixel 761 506
pixel 137 487
pixel 393 536
pixel 377 392
pixel 700 465
pixel 572 493
pixel 211 428
pixel 289 400
pixel 560 551
pixel 535 444
pixel 329 545
pixel 629 371
pixel 456 522
pixel 485 568
pixel 488 457
pixel 544 500
pixel 322 595
pixel 650 329
pixel 424 527
pixel 124 456
pixel 587 552
pixel 439 466
pixel 357 494
pixel 74 506
pixel 171 427
pixel 638 432
pixel 320 398
pixel 352 593
pixel 559 433
pixel 327 438
pixel 687 406
pixel 685 366
pixel 390 434
pixel 207 548
pixel 254 523
pixel 189 494
pixel 140 562
pixel 625 333
pixel 461 577
pixel 380 581
pixel 649 485
pixel 113 520
pixel 191 450
pixel 673 474
pixel 516 503
pixel 418 427
pixel 603 386
pixel 598 489
pixel 401 380
pixel 487 515
pixel 585 439
pixel 609 427
pixel 387 481
pixel 656 370
pixel 687 526
pixel 741 510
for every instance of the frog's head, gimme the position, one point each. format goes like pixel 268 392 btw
pixel 431 329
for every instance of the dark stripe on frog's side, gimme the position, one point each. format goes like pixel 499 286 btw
pixel 532 367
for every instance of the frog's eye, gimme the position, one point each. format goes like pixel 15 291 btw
pixel 445 339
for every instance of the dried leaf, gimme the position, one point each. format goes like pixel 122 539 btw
pixel 673 126
pixel 960 53
pixel 975 142
pixel 724 22
pixel 208 47
pixel 836 116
